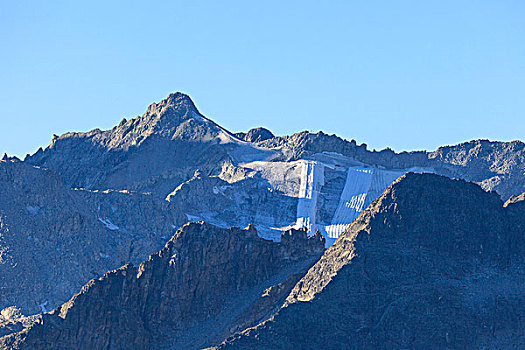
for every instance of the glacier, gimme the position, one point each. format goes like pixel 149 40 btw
pixel 331 190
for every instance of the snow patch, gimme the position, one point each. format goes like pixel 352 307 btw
pixel 33 210
pixel 352 200
pixel 192 218
pixel 43 307
pixel 362 186
pixel 109 224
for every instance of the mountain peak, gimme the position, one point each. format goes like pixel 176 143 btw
pixel 179 99
pixel 176 101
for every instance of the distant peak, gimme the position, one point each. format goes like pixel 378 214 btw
pixel 175 96
pixel 256 135
pixel 179 98
pixel 176 101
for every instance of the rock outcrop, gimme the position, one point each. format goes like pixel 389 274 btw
pixel 256 135
pixel 432 263
pixel 161 149
pixel 188 295
pixel 91 202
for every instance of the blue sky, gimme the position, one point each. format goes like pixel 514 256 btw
pixel 403 74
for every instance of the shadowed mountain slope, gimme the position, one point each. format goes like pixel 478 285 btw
pixel 432 263
pixel 54 239
pixel 153 152
pixel 205 282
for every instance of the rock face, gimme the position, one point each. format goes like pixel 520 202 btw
pixel 432 263
pixel 151 153
pixel 190 293
pixel 54 239
pixel 304 180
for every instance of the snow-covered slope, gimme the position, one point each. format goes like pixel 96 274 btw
pixel 324 192
pixel 331 189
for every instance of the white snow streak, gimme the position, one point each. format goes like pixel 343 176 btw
pixel 109 224
pixel 352 200
pixel 43 307
pixel 312 179
pixel 362 185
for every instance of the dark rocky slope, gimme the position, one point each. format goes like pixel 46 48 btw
pixel 54 239
pixel 432 263
pixel 203 284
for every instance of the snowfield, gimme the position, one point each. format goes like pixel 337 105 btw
pixel 324 192
pixel 109 224
pixel 306 180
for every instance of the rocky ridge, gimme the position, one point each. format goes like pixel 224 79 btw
pixel 256 177
pixel 149 153
pixel 161 149
pixel 203 274
pixel 91 202
pixel 432 263
pixel 496 166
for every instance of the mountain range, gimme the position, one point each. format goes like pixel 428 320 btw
pixel 425 249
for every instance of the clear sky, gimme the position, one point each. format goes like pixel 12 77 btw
pixel 403 74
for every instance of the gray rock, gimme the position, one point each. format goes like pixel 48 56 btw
pixel 432 263
pixel 256 135
pixel 91 202
pixel 54 239
pixel 188 295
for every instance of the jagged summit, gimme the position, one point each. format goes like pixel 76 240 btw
pixel 176 104
pixel 171 138
pixel 180 99
pixel 93 201
pixel 161 118
pixel 138 153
